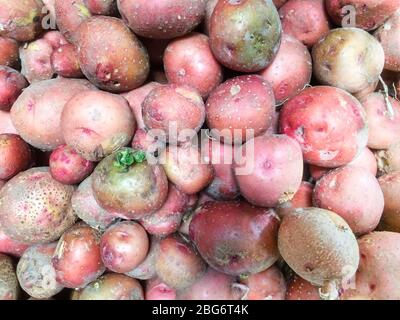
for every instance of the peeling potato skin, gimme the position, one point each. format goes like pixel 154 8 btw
pixel 370 14
pixel 34 208
pixel 21 19
pixel 332 251
pixel 162 19
pixel 79 247
pixel 9 288
pixel 390 185
pixel 347 50
pixel 36 274
pixel 11 85
pixel 300 289
pixel 378 276
pixel 111 56
pixel 9 52
pixel 249 45
pixel 234 237
pixel 113 286
pixel 328 138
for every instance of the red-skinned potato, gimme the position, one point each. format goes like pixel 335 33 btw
pixel 21 20
pixel 225 236
pixel 383 125
pixel 186 169
pixel 305 20
pixel 87 209
pixel 174 110
pixel 102 7
pixel 209 11
pixel 279 3
pixel 124 246
pixel 65 62
pixel 378 275
pixel 300 289
pixel 390 185
pixel 9 52
pixel 6 125
pixel 26 203
pixel 79 247
pixel 328 138
pixel 167 220
pixel 143 140
pixel 189 61
pixel 178 264
pixel 288 79
pixel 389 160
pixel 9 288
pixel 240 109
pixel 95 137
pixel 15 156
pixel 301 199
pixel 55 38
pixel 37 112
pixel 369 14
pixel 164 19
pixel 11 85
pixel 115 66
pixel 273 164
pixel 36 274
pixel 112 286
pixel 248 46
pixel 354 194
pixel 68 167
pixel 347 50
pixel 157 290
pixel 11 247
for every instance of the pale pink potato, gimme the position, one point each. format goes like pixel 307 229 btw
pixel 55 38
pixel 366 160
pixel 390 185
pixel 6 125
pixel 300 289
pixel 11 247
pixel 365 92
pixel 157 290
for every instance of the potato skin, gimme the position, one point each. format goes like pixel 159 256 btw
pixel 95 137
pixel 35 272
pixel 348 50
pixel 332 251
pixel 147 269
pixel 390 184
pixel 157 290
pixel 11 85
pixel 27 201
pixel 248 46
pixel 65 62
pixel 9 246
pixel 300 289
pixel 301 199
pixel 114 66
pixel 162 19
pixel 8 280
pixel 9 52
pixel 388 160
pixel 225 238
pixel 102 7
pixel 328 138
pixel 37 112
pixel 6 125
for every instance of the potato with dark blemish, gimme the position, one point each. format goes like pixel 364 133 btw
pixel 8 52
pixel 235 237
pixel 390 185
pixel 96 124
pixel 9 288
pixel 11 85
pixel 245 34
pixel 65 62
pixel 347 51
pixel 111 56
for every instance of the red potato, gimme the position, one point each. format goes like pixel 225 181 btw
pixel 176 110
pixel 96 124
pixel 11 85
pixel 65 62
pixel 37 112
pixel 328 138
pixel 79 247
pixel 6 125
pixel 9 52
pixel 189 61
pixel 279 3
pixel 354 194
pixel 378 276
pixel 317 172
pixel 226 236
pixel 115 66
pixel 164 19
pixel 300 289
pixel 67 167
pixel 186 169
pixel 209 11
pixel 288 79
pixel 240 109
pixel 143 140
pixel 102 7
pixel 273 164
pixel 369 14
pixel 389 160
pixel 36 274
pixel 35 208
pixel 157 290
pixel 15 156
pixel 11 247
pixel 390 185
pixel 55 38
pixel 9 289
pixel 135 99
pixel 347 50
pixel 87 209
pixel 124 246
pixel 112 286
pixel 301 199
pixel 21 20
pixel 156 49
pixel 178 264
pixel 168 219
pixel 384 127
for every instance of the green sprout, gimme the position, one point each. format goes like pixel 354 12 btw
pixel 126 158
